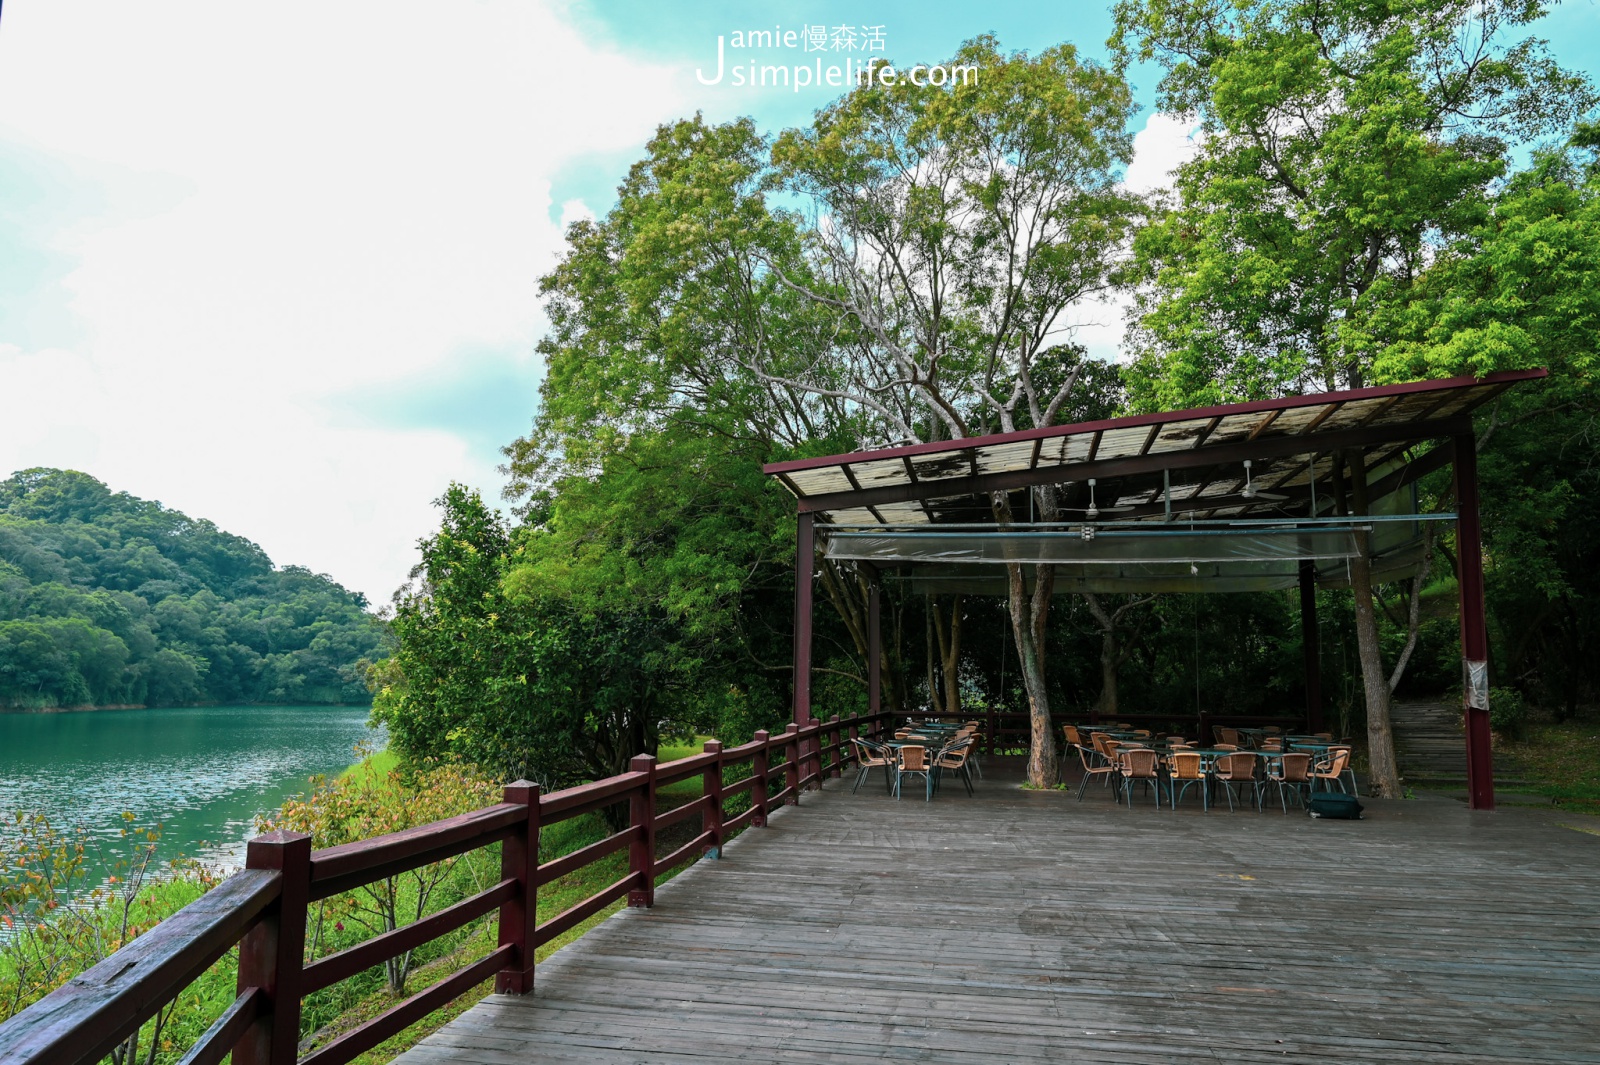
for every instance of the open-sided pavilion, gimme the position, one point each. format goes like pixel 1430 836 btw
pixel 1240 497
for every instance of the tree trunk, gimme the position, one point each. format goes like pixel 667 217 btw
pixel 849 594
pixel 1028 617
pixel 949 653
pixel 1107 705
pixel 1383 772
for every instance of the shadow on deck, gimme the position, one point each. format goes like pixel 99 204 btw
pixel 1028 927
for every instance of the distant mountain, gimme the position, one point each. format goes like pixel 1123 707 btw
pixel 107 599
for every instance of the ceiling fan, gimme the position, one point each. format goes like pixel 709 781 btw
pixel 1091 512
pixel 1251 492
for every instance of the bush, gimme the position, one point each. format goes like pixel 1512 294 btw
pixel 1508 711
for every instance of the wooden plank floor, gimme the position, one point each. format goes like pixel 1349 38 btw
pixel 1024 927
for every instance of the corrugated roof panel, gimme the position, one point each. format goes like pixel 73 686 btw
pixel 854 516
pixel 1294 421
pixel 819 481
pixel 879 472
pixel 943 465
pixel 1352 414
pixel 1119 443
pixel 1467 397
pixel 903 514
pixel 998 458
pixel 1237 427
pixel 1180 436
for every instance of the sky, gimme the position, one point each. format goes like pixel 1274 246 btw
pixel 277 265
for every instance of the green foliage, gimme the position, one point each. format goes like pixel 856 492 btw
pixel 365 806
pixel 560 651
pixel 1508 711
pixel 57 922
pixel 106 599
pixel 1345 144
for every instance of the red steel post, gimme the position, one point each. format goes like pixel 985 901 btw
pixel 1474 626
pixel 874 649
pixel 1310 641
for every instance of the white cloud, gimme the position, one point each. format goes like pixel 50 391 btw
pixel 368 194
pixel 1165 142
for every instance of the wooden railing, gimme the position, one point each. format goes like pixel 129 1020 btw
pixel 262 909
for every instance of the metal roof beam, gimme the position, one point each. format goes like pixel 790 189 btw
pixel 1214 455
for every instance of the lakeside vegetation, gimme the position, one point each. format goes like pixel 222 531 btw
pixel 373 796
pixel 111 600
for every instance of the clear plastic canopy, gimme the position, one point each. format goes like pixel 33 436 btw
pixel 1220 557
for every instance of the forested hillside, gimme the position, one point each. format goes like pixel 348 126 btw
pixel 109 599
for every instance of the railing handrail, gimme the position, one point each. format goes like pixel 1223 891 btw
pixel 262 908
pixel 83 1019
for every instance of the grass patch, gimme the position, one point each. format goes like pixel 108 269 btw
pixel 1562 762
pixel 378 765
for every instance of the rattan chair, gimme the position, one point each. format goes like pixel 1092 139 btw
pixel 870 756
pixel 912 761
pixel 1186 767
pixel 956 757
pixel 1095 765
pixel 1291 772
pixel 1141 765
pixel 1229 736
pixel 1330 771
pixel 1236 771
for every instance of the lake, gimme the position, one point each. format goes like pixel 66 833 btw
pixel 202 773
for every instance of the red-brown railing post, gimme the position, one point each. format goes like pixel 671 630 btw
pixel 272 953
pixel 791 762
pixel 711 788
pixel 760 768
pixel 833 741
pixel 994 731
pixel 642 848
pixel 519 915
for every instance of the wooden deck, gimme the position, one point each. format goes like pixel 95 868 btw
pixel 1023 927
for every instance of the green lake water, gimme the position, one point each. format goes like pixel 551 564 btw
pixel 202 773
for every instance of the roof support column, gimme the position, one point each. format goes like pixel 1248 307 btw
pixel 1474 626
pixel 874 647
pixel 804 566
pixel 1310 641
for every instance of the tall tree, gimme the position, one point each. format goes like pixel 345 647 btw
pixel 955 229
pixel 1344 142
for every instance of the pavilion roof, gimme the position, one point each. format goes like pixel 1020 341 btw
pixel 1155 467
